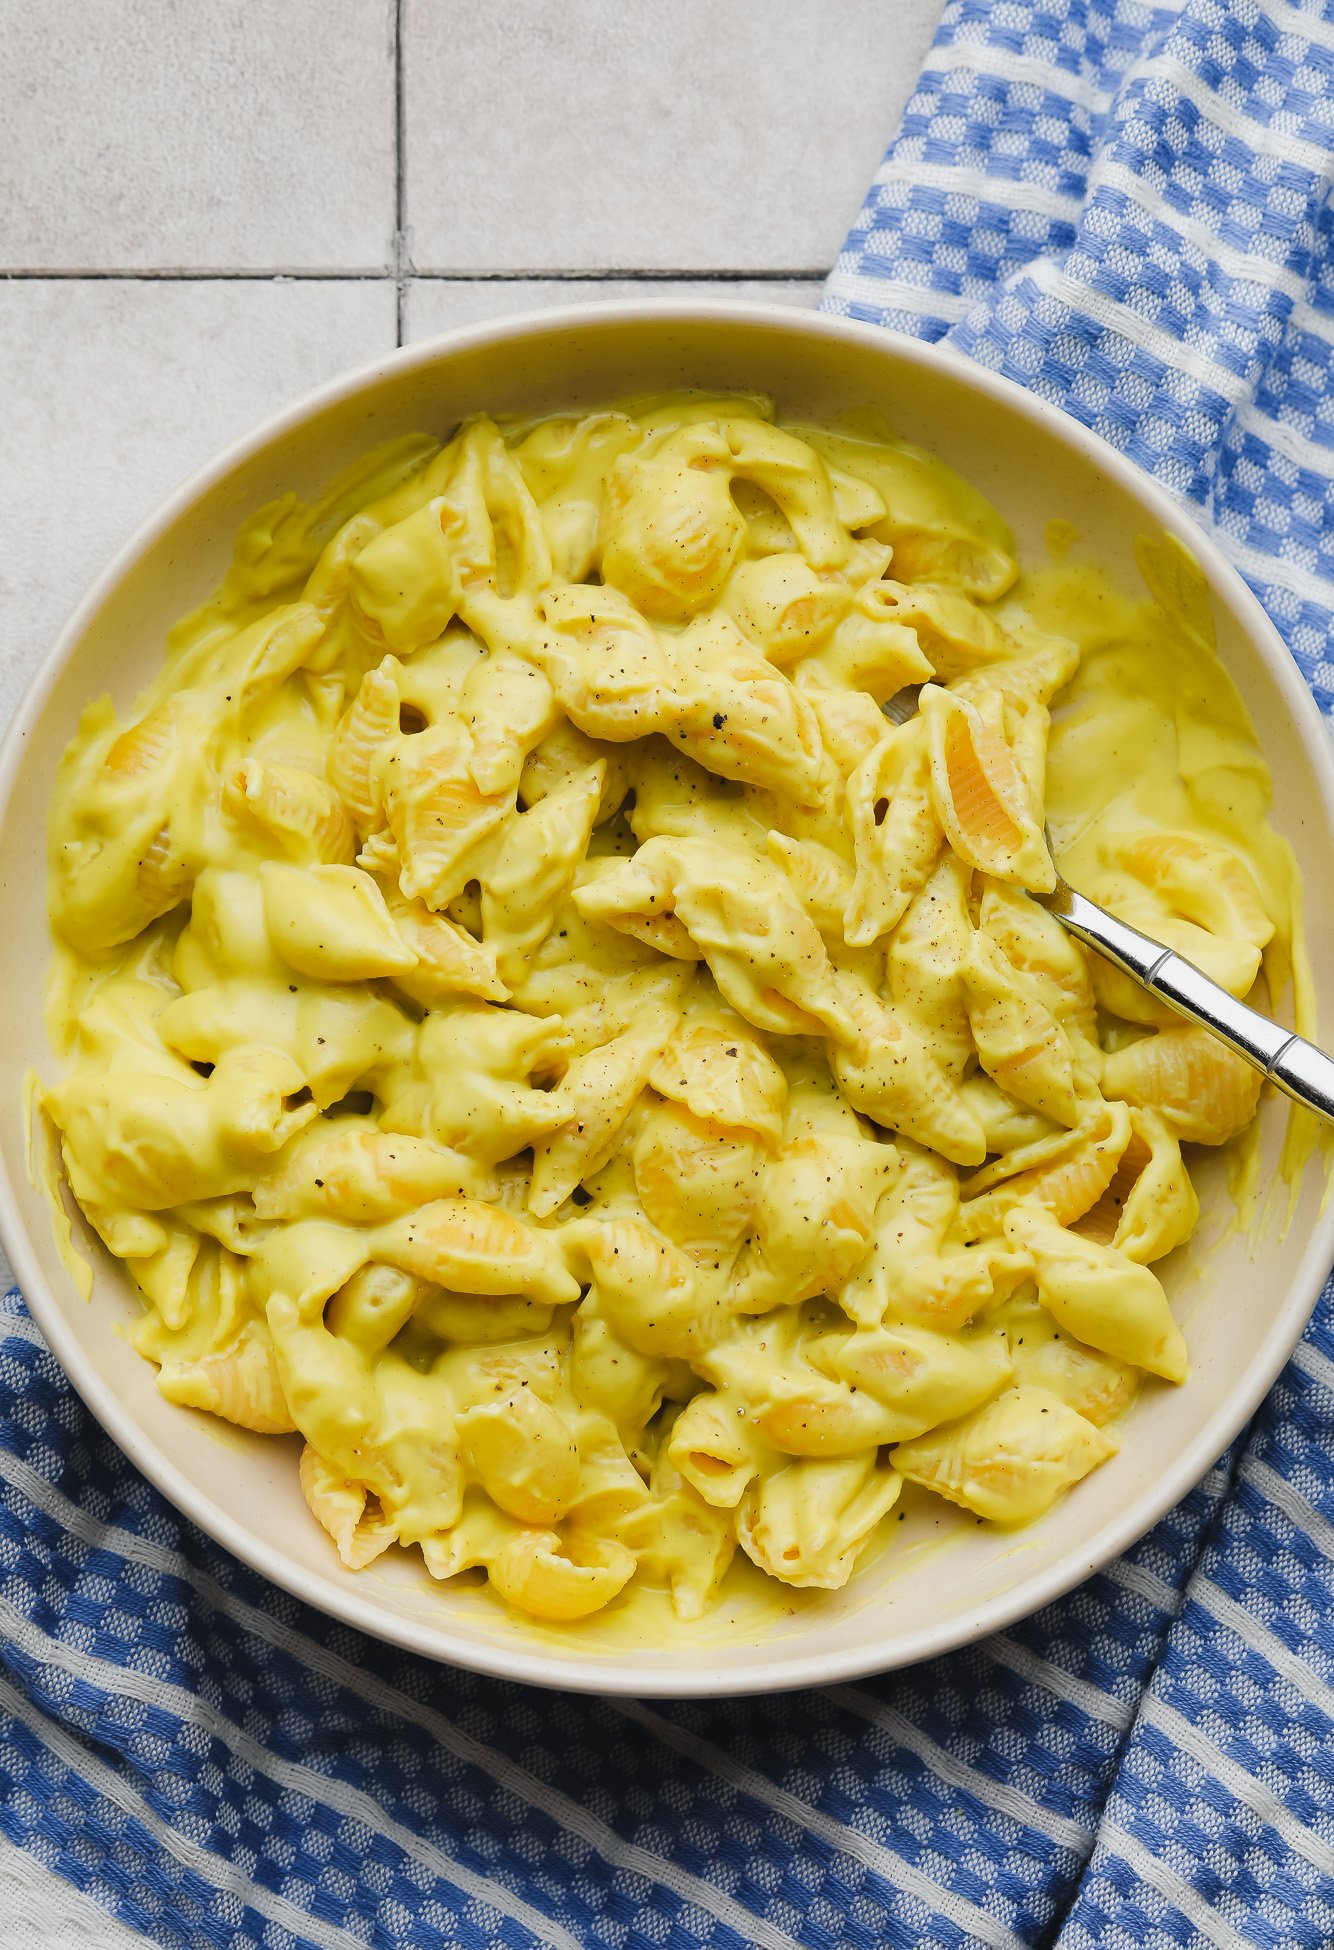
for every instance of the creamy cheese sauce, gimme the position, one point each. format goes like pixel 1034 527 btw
pixel 534 1026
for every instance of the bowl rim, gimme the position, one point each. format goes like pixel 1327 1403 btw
pixel 543 1665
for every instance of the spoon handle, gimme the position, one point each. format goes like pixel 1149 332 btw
pixel 1295 1065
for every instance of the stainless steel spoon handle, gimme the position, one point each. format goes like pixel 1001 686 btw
pixel 1295 1065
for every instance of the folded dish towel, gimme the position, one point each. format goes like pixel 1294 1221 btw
pixel 1124 207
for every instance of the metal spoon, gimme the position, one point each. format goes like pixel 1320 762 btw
pixel 1295 1065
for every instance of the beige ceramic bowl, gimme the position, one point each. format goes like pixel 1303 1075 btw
pixel 944 1581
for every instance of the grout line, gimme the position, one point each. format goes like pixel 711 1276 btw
pixel 401 258
pixel 25 274
pixel 404 275
pixel 638 274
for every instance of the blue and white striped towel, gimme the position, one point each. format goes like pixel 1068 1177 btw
pixel 1126 208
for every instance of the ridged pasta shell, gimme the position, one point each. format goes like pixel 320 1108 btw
pixel 780 603
pixel 1205 883
pixel 437 815
pixel 608 1375
pixel 1099 1296
pixel 682 1542
pixel 1020 1044
pixel 766 955
pixel 807 1524
pixel 1102 1220
pixel 1011 1460
pixel 851 723
pixel 810 1415
pixel 608 669
pixel 531 868
pixel 365 1176
pixel 1038 667
pixel 954 633
pixel 651 1294
pixel 533 1572
pixel 734 714
pixel 896 1079
pixel 474 1247
pixel 896 835
pixel 1007 1124
pixel 450 961
pixel 1034 942
pixel 144 745
pixel 795 478
pixel 523 1453
pixel 564 463
pixel 476 1066
pixel 350 1514
pixel 1094 1385
pixel 327 585
pixel 509 707
pixel 379 855
pixel 404 585
pixel 1158 1207
pixel 919 1376
pixel 561 756
pixel 367 725
pixel 714 1445
pixel 374 1305
pixel 1080 1169
pixel 125 852
pixel 160 881
pixel 474 1540
pixel 981 796
pixel 723 1075
pixel 298 812
pixel 669 534
pixel 696 1181
pixel 873 647
pixel 941 528
pixel 926 959
pixel 1203 1092
pixel 595 1097
pixel 813 1215
pixel 240 1383
pixel 821 879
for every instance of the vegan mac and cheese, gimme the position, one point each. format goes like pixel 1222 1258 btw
pixel 540 1028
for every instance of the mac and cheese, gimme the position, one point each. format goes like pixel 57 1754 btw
pixel 540 1030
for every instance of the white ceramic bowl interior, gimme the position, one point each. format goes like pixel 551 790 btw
pixel 943 1581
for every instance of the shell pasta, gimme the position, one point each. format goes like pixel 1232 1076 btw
pixel 538 1028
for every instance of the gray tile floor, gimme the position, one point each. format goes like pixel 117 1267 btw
pixel 207 209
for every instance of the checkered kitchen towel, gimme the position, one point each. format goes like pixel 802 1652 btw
pixel 1124 207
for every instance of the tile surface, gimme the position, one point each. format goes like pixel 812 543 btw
pixel 115 390
pixel 183 134
pixel 439 304
pixel 666 134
